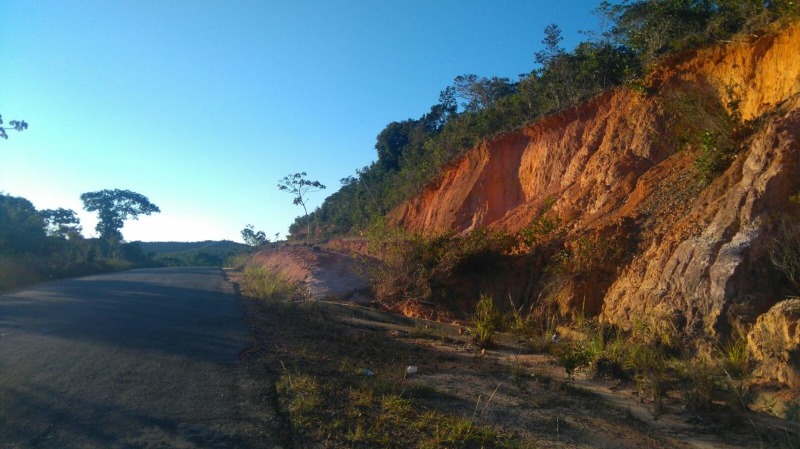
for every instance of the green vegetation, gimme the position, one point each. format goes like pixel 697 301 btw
pixel 660 360
pixel 413 264
pixel 486 321
pixel 411 153
pixel 713 129
pixel 40 245
pixel 260 282
pixel 376 413
pixel 193 254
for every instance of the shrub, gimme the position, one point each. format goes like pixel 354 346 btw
pixel 712 158
pixel 411 262
pixel 784 249
pixel 573 356
pixel 649 366
pixel 540 231
pixel 701 120
pixel 699 380
pixel 580 273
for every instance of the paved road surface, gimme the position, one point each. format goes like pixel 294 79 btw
pixel 140 359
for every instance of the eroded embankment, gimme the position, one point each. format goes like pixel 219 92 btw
pixel 325 274
pixel 623 166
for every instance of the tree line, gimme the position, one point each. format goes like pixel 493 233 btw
pixel 42 244
pixel 633 35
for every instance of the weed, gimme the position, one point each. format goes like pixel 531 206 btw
pixel 299 395
pixel 602 350
pixel 699 381
pixel 261 282
pixel 650 371
pixel 516 323
pixel 358 434
pixel 517 368
pixel 422 330
pixel 486 321
pixel 735 356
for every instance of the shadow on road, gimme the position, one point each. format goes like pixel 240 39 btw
pixel 158 313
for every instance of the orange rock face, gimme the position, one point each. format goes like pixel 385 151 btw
pixel 700 248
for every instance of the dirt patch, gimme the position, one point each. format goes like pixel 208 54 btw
pixel 326 274
pixel 349 352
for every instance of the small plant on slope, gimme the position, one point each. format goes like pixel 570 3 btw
pixel 486 321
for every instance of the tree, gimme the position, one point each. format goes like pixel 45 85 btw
pixel 253 238
pixel 16 125
pixel 63 223
pixel 21 226
pixel 475 93
pixel 115 206
pixel 391 142
pixel 554 73
pixel 552 48
pixel 300 187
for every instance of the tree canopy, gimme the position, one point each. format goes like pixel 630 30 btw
pixel 16 125
pixel 21 226
pixel 61 222
pixel 115 206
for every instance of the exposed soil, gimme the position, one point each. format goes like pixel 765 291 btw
pixel 325 274
pixel 523 395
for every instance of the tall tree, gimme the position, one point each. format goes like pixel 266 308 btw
pixel 115 206
pixel 300 187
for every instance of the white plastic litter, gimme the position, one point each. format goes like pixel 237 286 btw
pixel 411 369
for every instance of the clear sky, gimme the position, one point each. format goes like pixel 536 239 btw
pixel 202 106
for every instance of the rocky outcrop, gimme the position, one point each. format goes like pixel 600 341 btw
pixel 700 248
pixel 775 343
pixel 711 264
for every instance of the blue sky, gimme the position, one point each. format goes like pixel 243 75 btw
pixel 202 106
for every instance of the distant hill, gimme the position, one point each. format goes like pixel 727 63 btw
pixel 181 247
pixel 206 253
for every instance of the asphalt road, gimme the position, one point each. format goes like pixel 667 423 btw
pixel 139 359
